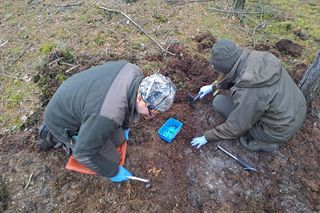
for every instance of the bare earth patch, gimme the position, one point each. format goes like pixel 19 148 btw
pixel 185 179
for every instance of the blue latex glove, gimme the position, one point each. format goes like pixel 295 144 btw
pixel 199 141
pixel 126 134
pixel 205 90
pixel 122 175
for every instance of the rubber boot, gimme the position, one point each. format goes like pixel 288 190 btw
pixel 256 145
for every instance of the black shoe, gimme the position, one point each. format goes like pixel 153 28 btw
pixel 256 145
pixel 46 141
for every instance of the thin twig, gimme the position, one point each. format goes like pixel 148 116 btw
pixel 165 54
pixel 30 178
pixel 138 26
pixel 70 5
pixel 232 11
pixel 4 73
pixel 72 68
pixel 21 54
pixel 257 27
pixel 10 76
pixel 3 43
pixel 65 63
pixel 55 61
pixel 188 2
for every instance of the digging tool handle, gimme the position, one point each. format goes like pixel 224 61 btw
pixel 139 179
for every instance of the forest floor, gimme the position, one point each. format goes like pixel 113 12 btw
pixel 41 40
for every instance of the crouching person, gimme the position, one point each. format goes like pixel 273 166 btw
pixel 265 108
pixel 97 106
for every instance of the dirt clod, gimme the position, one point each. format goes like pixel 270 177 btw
pixel 289 47
pixel 205 41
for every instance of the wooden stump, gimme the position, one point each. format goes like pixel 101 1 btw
pixel 310 83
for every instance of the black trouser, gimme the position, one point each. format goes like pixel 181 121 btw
pixel 48 141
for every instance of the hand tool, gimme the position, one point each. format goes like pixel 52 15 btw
pixel 148 183
pixel 192 100
pixel 244 164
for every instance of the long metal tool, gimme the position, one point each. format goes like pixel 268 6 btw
pixel 244 164
pixel 146 181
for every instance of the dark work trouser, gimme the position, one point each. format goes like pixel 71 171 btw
pixel 223 105
pixel 48 141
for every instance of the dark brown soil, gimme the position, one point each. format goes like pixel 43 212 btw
pixel 205 41
pixel 289 47
pixel 185 179
pixel 268 48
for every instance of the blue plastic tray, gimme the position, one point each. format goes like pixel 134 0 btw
pixel 170 129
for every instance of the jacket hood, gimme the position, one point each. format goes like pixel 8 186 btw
pixel 259 69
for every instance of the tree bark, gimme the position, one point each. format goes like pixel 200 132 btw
pixel 238 4
pixel 310 83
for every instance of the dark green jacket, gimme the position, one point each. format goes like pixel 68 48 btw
pixel 96 104
pixel 267 101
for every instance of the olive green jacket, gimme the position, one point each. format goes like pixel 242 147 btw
pixel 96 104
pixel 267 102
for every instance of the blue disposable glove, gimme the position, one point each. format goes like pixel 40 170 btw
pixel 126 134
pixel 199 141
pixel 205 90
pixel 122 175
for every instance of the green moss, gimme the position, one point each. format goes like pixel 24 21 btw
pixel 60 77
pixel 17 123
pixel 46 48
pixel 67 54
pixel 281 28
pixel 99 41
pixel 161 18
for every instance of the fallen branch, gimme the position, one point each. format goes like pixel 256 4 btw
pixel 29 181
pixel 70 5
pixel 21 54
pixel 138 26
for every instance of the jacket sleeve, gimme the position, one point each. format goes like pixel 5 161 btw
pixel 93 134
pixel 249 107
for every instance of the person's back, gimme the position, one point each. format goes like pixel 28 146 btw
pixel 282 102
pixel 90 114
pixel 79 97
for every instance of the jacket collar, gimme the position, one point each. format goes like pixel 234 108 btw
pixel 228 81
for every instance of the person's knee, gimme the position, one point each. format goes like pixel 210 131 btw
pixel 217 102
pixel 223 105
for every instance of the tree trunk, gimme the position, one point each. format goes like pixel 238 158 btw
pixel 238 4
pixel 310 83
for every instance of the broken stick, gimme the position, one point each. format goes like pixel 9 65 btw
pixel 139 27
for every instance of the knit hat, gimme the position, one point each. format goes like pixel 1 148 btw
pixel 225 53
pixel 158 91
